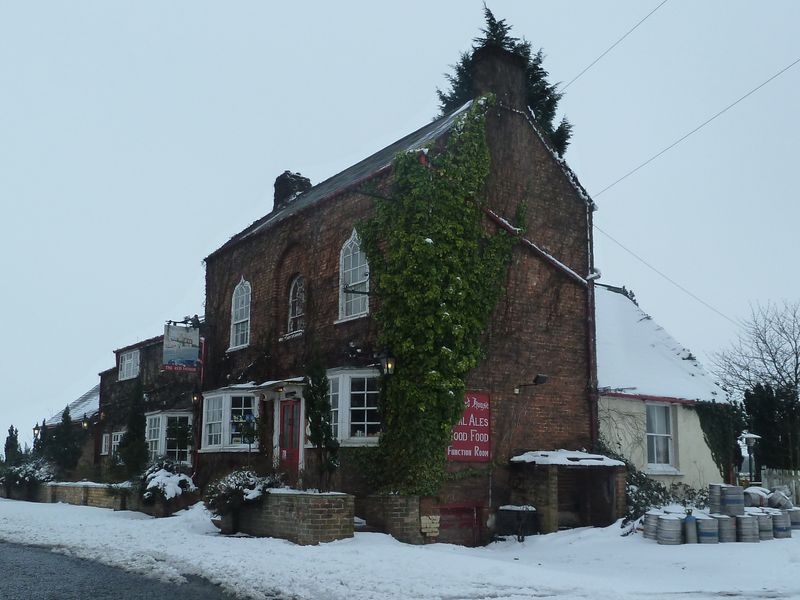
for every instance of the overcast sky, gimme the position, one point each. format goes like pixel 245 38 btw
pixel 136 137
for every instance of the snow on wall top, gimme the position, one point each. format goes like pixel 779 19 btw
pixel 88 404
pixel 572 458
pixel 636 356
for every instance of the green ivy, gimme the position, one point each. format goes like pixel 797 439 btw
pixel 437 272
pixel 722 424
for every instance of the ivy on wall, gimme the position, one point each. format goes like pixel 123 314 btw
pixel 722 424
pixel 437 273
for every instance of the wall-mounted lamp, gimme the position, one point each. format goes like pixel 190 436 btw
pixel 85 422
pixel 279 389
pixel 387 364
pixel 540 379
pixel 36 431
pixel 196 397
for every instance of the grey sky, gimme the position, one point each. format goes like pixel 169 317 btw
pixel 135 138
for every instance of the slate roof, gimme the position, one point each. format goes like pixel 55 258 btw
pixel 88 404
pixel 351 176
pixel 637 357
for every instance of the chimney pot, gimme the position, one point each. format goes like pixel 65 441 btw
pixel 502 73
pixel 288 186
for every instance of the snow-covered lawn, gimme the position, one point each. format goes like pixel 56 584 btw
pixel 582 563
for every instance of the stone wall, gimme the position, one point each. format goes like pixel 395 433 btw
pixel 301 518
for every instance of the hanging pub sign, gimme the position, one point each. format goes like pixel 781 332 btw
pixel 181 348
pixel 472 435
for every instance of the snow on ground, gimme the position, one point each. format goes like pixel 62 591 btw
pixel 581 563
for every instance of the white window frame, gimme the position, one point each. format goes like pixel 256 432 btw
pixel 340 381
pixel 157 444
pixel 353 306
pixel 105 444
pixel 226 429
pixel 240 315
pixel 297 305
pixel 128 365
pixel 665 410
pixel 116 438
pixel 152 435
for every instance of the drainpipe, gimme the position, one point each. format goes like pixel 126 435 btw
pixel 591 331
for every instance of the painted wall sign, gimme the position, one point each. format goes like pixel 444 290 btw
pixel 181 348
pixel 472 435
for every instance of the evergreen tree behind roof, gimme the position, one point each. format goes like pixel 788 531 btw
pixel 543 97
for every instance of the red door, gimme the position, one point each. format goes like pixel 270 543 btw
pixel 290 437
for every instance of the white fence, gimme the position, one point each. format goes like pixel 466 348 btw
pixel 770 478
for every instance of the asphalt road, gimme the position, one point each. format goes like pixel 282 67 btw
pixel 28 573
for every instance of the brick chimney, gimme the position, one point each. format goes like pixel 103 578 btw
pixel 288 186
pixel 500 72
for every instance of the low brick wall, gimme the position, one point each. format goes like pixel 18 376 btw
pixel 302 518
pixel 409 519
pixel 99 496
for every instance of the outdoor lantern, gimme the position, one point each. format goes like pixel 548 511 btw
pixel 85 422
pixel 750 439
pixel 196 397
pixel 540 379
pixel 387 364
pixel 36 430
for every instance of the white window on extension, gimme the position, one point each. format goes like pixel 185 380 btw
pixel 659 435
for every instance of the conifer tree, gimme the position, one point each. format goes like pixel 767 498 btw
pixel 12 450
pixel 543 97
pixel 318 413
pixel 65 446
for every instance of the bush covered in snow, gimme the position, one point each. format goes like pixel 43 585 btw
pixel 164 481
pixel 228 493
pixel 28 474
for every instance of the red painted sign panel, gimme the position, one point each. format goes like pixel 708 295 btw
pixel 472 435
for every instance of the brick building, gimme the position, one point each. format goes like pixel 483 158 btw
pixel 288 286
pixel 166 395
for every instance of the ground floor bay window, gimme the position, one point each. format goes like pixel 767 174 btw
pixel 169 434
pixel 229 422
pixel 353 394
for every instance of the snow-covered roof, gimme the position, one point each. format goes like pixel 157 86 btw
pixel 88 404
pixel 637 357
pixel 571 458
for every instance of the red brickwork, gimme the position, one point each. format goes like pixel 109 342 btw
pixel 542 323
pixel 300 518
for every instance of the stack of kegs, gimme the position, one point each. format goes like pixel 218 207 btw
pixel 794 517
pixel 732 500
pixel 747 528
pixel 727 528
pixel 764 526
pixel 781 525
pixel 670 530
pixel 714 497
pixel 707 529
pixel 651 524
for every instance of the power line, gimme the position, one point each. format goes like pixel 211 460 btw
pixel 672 281
pixel 614 45
pixel 699 127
